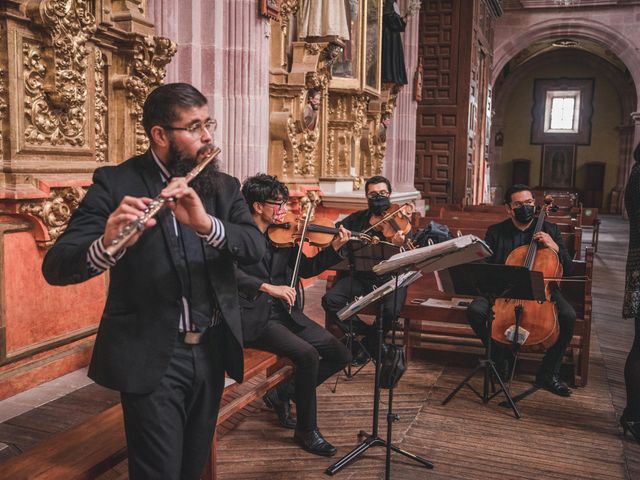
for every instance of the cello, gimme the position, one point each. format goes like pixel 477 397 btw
pixel 537 320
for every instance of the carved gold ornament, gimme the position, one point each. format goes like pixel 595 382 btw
pixel 150 57
pixel 56 72
pixel 287 8
pixel 55 211
pixel 101 107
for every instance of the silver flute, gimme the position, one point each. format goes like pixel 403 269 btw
pixel 154 207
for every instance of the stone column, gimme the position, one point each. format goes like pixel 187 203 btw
pixel 223 50
pixel 399 163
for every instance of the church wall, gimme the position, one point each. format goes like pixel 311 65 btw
pixel 605 136
pixel 73 77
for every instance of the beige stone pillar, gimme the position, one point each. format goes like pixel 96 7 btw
pixel 223 50
pixel 399 163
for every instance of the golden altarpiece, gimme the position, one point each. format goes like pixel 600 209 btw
pixel 73 78
pixel 342 141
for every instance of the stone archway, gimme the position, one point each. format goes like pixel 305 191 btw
pixel 579 28
pixel 612 39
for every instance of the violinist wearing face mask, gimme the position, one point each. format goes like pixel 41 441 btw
pixel 503 238
pixel 378 192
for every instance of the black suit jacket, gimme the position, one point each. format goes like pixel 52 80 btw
pixel 139 326
pixel 256 305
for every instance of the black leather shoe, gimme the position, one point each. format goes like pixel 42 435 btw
pixel 314 442
pixel 282 408
pixel 553 384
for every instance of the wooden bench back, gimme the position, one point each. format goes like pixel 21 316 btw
pixel 98 444
pixel 479 223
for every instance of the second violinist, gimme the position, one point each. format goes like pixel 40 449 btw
pixel 269 323
pixel 378 192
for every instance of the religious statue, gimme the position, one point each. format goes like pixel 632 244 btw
pixel 393 68
pixel 385 121
pixel 323 20
pixel 310 114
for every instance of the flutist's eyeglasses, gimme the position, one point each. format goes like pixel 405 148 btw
pixel 197 128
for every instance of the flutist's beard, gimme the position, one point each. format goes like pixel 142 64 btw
pixel 205 183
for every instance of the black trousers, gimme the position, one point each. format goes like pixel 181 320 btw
pixel 632 377
pixel 316 355
pixel 169 430
pixel 343 293
pixel 477 316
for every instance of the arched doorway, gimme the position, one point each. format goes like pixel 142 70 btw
pixel 585 50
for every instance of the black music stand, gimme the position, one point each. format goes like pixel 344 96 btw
pixel 359 258
pixel 372 439
pixel 492 282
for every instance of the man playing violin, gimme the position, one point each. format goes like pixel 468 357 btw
pixel 378 192
pixel 503 238
pixel 272 320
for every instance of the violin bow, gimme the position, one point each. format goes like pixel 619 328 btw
pixel 296 268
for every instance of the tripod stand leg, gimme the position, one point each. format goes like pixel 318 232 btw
pixel 412 456
pixel 510 401
pixel 353 454
pixel 462 384
pixel 520 396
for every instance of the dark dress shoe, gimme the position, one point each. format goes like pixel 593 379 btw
pixel 313 442
pixel 630 426
pixel 282 409
pixel 553 384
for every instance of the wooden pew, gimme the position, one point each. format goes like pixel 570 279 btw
pixel 97 445
pixel 571 235
pixel 589 218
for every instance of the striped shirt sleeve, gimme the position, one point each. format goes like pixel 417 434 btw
pixel 217 236
pixel 99 260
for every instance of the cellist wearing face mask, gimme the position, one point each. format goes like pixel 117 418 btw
pixel 503 238
pixel 378 193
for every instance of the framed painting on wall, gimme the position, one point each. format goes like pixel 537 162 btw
pixel 373 48
pixel 270 8
pixel 558 166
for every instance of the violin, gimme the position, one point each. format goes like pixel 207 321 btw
pixel 320 233
pixel 539 319
pixel 396 218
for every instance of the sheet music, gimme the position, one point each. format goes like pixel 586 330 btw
pixel 377 293
pixel 457 303
pixel 456 251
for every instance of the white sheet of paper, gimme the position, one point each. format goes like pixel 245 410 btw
pixel 437 302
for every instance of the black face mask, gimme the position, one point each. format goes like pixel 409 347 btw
pixel 524 213
pixel 378 204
